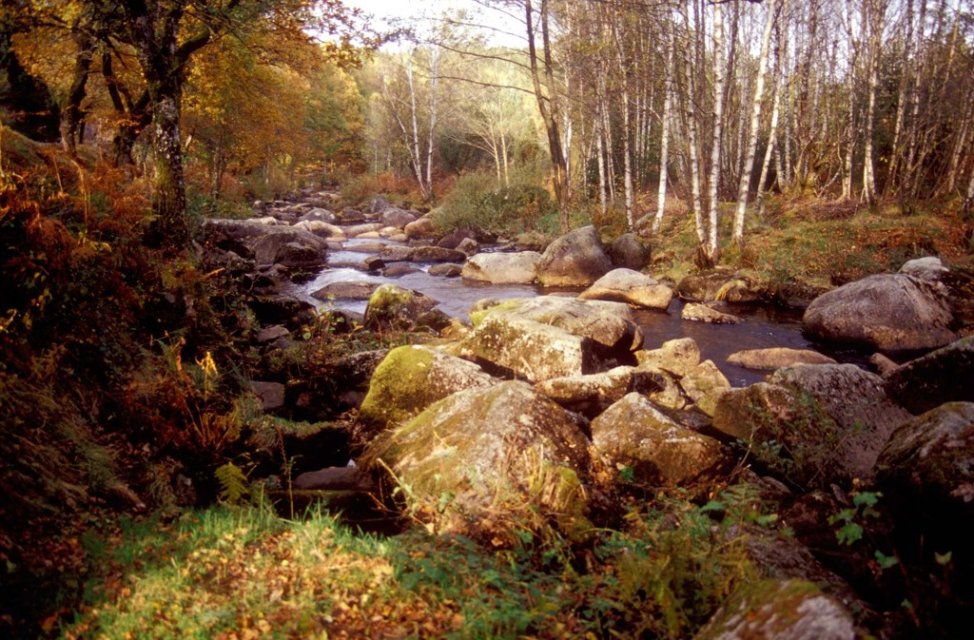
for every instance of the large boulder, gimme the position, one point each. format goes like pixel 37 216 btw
pixel 576 259
pixel 609 324
pixel 779 610
pixel 510 345
pixel 393 307
pixel 519 267
pixel 926 474
pixel 362 229
pixel 677 356
pixel 929 268
pixel 591 394
pixel 346 290
pixel 633 433
pixel 317 214
pixel 289 246
pixel 502 449
pixel 696 312
pixel 235 235
pixel 705 384
pixel 628 251
pixel 812 425
pixel 718 286
pixel 889 312
pixel 436 254
pixel 776 358
pixel 411 378
pixel 321 228
pixel 393 217
pixel 421 228
pixel 944 375
pixel 631 287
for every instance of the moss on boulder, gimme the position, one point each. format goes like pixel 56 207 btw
pixel 490 452
pixel 411 378
pixel 635 434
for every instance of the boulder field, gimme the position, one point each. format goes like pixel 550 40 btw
pixel 552 407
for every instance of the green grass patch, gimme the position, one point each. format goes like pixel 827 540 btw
pixel 244 571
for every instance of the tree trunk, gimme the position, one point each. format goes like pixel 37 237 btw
pixel 765 165
pixel 901 100
pixel 548 106
pixel 169 203
pixel 710 253
pixel 433 106
pixel 71 114
pixel 603 207
pixel 664 139
pixel 752 142
pixel 875 23
pixel 968 207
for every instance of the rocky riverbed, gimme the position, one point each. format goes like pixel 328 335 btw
pixel 556 402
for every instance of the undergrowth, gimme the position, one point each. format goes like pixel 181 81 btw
pixel 117 373
pixel 244 571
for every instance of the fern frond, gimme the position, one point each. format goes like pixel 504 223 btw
pixel 233 483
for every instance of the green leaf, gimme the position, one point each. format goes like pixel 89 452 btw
pixel 867 498
pixel 849 533
pixel 767 520
pixel 885 561
pixel 943 559
pixel 713 505
pixel 627 474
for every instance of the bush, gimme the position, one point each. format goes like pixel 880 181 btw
pixel 477 202
pixel 358 190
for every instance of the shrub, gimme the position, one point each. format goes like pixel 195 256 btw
pixel 477 202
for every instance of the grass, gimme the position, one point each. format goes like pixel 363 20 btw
pixel 819 243
pixel 244 573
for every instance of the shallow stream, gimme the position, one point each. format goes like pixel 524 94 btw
pixel 762 327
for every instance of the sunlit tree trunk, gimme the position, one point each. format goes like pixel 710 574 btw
pixel 765 165
pixel 664 139
pixel 603 205
pixel 548 104
pixel 874 20
pixel 710 252
pixel 752 142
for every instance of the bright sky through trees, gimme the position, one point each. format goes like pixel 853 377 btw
pixel 424 17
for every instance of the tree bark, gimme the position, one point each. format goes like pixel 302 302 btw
pixel 71 115
pixel 548 106
pixel 710 253
pixel 752 142
pixel 664 139
pixel 875 22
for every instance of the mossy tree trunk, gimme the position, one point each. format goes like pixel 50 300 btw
pixel 153 29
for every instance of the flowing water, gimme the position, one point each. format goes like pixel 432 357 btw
pixel 762 327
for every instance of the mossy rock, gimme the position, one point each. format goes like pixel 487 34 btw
pixel 488 453
pixel 633 433
pixel 812 425
pixel 780 610
pixel 411 378
pixel 392 307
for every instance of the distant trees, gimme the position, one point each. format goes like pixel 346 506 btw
pixel 720 102
pixel 144 51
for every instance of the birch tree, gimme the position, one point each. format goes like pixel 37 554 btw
pixel 710 253
pixel 752 142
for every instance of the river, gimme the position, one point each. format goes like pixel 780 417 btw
pixel 762 326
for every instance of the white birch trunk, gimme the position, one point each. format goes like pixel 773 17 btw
pixel 869 168
pixel 762 189
pixel 664 141
pixel 712 249
pixel 752 141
